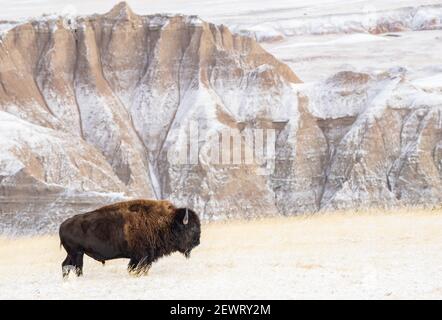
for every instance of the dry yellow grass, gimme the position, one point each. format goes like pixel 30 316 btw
pixel 366 255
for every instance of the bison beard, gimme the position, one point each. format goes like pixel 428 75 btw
pixel 139 230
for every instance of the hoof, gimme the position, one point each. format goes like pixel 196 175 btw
pixel 65 271
pixel 139 272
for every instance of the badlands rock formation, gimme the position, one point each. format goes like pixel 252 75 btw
pixel 91 109
pixel 384 140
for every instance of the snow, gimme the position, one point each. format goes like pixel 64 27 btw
pixel 429 82
pixel 346 39
pixel 341 256
pixel 410 18
pixel 12 129
pixel 228 10
pixel 316 39
pixel 155 183
pixel 10 164
pixel 265 19
pixel 194 20
pixel 56 165
pixel 5 27
pixel 160 21
pixel 333 99
pixel 425 16
pixel 263 68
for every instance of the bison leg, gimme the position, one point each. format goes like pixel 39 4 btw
pixel 79 264
pixel 143 269
pixel 133 263
pixel 138 268
pixel 73 261
pixel 66 266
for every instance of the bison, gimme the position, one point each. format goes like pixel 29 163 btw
pixel 140 230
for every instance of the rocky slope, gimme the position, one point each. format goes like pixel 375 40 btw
pixel 383 137
pixel 91 109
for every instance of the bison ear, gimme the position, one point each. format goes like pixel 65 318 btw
pixel 186 217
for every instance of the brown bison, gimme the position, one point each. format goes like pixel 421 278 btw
pixel 139 230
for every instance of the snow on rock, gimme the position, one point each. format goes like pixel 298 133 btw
pixel 122 83
pixel 46 175
pixel 382 133
pixel 5 26
pixel 109 98
pixel 368 20
pixel 431 82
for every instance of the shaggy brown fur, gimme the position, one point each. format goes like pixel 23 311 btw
pixel 141 230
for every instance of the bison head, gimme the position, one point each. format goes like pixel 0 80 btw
pixel 187 228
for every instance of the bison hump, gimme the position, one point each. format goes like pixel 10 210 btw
pixel 141 208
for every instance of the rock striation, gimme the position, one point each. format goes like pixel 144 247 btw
pixel 93 107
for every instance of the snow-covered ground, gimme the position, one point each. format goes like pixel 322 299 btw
pixel 318 57
pixel 365 255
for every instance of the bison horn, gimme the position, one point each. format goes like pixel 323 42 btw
pixel 186 217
